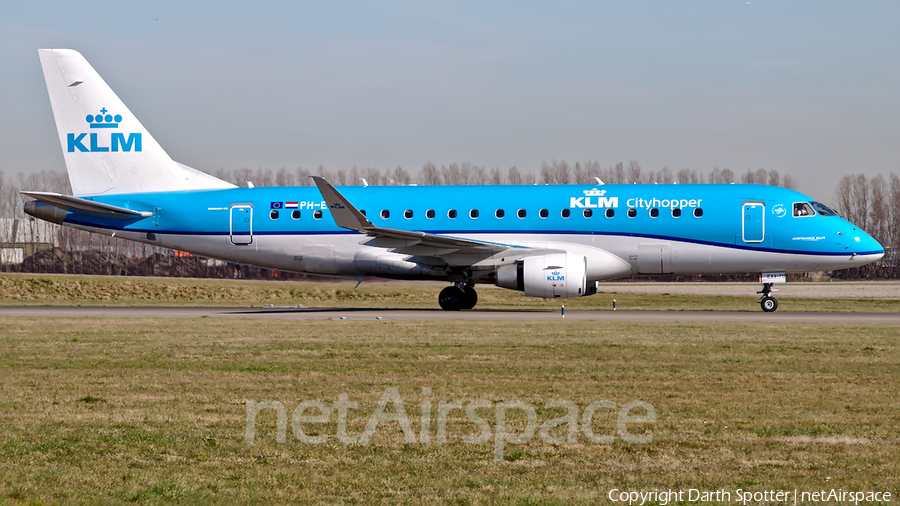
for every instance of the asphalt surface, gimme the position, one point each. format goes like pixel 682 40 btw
pixel 295 313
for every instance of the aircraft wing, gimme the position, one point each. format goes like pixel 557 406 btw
pixel 417 244
pixel 84 206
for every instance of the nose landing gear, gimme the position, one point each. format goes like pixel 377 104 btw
pixel 458 296
pixel 767 302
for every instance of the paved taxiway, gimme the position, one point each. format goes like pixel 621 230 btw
pixel 291 313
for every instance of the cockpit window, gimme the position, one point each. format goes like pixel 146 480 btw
pixel 822 210
pixel 803 209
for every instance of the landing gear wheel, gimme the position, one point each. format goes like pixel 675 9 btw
pixel 470 298
pixel 452 298
pixel 767 302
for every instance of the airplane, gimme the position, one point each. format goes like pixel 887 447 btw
pixel 547 241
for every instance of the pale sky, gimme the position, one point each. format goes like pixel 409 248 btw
pixel 809 88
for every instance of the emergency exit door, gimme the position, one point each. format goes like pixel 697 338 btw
pixel 241 224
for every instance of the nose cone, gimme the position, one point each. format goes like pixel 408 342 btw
pixel 864 248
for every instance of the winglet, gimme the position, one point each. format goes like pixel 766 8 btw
pixel 343 212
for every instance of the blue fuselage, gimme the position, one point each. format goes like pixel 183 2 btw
pixel 701 228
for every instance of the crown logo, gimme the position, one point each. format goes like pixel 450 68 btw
pixel 556 273
pixel 104 120
pixel 593 192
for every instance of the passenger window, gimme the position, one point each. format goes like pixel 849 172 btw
pixel 521 213
pixel 295 214
pixel 544 213
pixel 317 215
pixel 588 213
pixel 632 212
pixel 429 214
pixel 803 209
pixel 385 214
pixel 654 213
pixel 499 213
pixel 273 214
pixel 473 213
pixel 451 214
pixel 610 212
pixel 676 212
pixel 698 212
pixel 408 214
pixel 566 213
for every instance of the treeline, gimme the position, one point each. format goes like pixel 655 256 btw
pixel 555 172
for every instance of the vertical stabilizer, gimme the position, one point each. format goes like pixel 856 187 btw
pixel 107 150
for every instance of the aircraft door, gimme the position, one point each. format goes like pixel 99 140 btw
pixel 241 228
pixel 753 224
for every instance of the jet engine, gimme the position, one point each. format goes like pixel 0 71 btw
pixel 555 275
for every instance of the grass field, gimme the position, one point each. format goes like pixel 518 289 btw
pixel 154 411
pixel 21 289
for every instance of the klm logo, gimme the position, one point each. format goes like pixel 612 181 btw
pixel 556 276
pixel 594 198
pixel 118 141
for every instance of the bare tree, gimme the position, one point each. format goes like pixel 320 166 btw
pixel 879 211
pixel 513 176
pixel 451 174
pixel 774 178
pixel 633 172
pixel 548 176
pixel 263 177
pixel 727 176
pixel 860 211
pixel 497 176
pixel 844 195
pixel 430 175
pixel 284 178
pixel 301 176
pixel 374 177
pixel 665 176
pixel 563 172
pixel 322 171
pixel 617 174
pixel 401 177
pixel 479 175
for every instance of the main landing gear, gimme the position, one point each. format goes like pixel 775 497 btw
pixel 767 302
pixel 458 296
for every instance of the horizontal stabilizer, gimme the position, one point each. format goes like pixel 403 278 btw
pixel 84 206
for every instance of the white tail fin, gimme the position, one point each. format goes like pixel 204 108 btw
pixel 106 148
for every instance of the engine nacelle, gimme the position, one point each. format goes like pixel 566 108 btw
pixel 556 275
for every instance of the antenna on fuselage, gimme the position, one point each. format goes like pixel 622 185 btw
pixel 364 182
pixel 250 184
pixel 599 181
